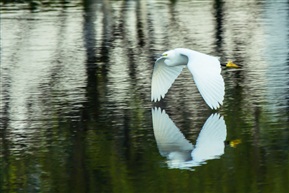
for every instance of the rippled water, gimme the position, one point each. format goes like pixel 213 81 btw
pixel 75 106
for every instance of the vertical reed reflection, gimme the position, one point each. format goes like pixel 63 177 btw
pixel 75 94
pixel 89 35
pixel 219 9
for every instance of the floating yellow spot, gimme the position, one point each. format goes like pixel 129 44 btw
pixel 230 64
pixel 235 142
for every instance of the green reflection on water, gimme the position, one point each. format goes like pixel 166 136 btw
pixel 94 134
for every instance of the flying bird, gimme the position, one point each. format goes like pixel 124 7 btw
pixel 206 71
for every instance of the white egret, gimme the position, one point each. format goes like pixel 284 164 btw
pixel 180 153
pixel 206 71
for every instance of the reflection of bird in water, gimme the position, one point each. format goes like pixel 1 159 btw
pixel 178 150
pixel 233 143
pixel 206 71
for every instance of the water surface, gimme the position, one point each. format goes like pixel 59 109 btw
pixel 75 106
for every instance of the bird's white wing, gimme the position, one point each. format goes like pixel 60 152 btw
pixel 168 137
pixel 206 71
pixel 211 140
pixel 163 78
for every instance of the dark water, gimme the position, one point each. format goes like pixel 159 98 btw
pixel 75 107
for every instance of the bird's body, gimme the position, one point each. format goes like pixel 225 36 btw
pixel 206 71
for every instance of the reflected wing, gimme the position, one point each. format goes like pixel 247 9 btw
pixel 206 71
pixel 163 78
pixel 169 138
pixel 210 143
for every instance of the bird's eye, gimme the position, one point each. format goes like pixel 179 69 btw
pixel 165 55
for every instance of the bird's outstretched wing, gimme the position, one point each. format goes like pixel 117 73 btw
pixel 168 137
pixel 163 78
pixel 210 143
pixel 206 71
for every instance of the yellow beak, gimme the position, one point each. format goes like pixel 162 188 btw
pixel 230 64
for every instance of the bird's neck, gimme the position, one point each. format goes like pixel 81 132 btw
pixel 181 60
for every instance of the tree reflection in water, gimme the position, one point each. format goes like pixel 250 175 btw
pixel 75 94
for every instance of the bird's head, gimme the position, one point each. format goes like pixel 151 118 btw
pixel 169 54
pixel 174 58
